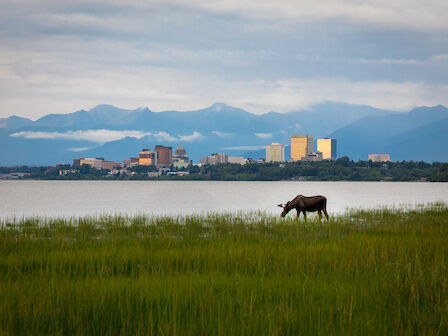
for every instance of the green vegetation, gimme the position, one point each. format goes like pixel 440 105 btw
pixel 342 169
pixel 441 173
pixel 365 273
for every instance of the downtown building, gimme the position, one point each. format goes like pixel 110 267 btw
pixel 180 158
pixel 379 157
pixel 147 157
pixel 214 159
pixel 164 156
pixel 221 158
pixel 328 148
pixel 301 146
pixel 98 163
pixel 275 152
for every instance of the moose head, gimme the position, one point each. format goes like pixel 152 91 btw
pixel 286 208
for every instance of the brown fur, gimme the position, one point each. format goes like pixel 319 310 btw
pixel 303 204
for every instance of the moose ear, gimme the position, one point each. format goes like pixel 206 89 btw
pixel 280 205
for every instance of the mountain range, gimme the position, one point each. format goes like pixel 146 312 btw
pixel 115 134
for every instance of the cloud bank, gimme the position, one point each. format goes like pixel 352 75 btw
pixel 104 135
pixel 259 55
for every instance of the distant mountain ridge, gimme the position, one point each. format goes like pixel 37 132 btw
pixel 115 133
pixel 415 135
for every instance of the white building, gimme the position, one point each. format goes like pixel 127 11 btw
pixel 379 157
pixel 236 159
pixel 214 159
pixel 275 152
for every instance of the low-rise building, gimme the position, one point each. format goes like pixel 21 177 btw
pixel 111 165
pixel 236 159
pixel 379 157
pixel 214 159
pixel 64 172
pixel 98 163
pixel 92 162
pixel 313 156
pixel 178 173
pixel 131 162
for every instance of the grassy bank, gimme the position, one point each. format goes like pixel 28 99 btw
pixel 367 272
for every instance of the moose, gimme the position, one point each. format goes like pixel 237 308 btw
pixel 303 204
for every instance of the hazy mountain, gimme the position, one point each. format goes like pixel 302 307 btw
pixel 14 122
pixel 394 134
pixel 115 134
pixel 427 143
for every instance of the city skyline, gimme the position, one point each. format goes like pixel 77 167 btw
pixel 115 133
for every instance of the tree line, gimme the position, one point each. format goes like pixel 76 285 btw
pixel 342 169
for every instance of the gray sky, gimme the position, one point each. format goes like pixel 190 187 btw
pixel 262 55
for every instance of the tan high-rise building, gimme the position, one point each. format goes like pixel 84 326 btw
pixel 164 155
pixel 327 147
pixel 275 152
pixel 147 158
pixel 301 146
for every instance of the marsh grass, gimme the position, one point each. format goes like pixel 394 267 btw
pixel 369 272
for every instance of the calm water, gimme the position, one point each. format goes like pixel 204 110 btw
pixel 79 198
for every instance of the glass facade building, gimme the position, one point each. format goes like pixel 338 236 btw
pixel 328 148
pixel 301 146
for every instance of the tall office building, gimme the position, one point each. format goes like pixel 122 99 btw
pixel 327 147
pixel 275 152
pixel 301 146
pixel 164 155
pixel 147 158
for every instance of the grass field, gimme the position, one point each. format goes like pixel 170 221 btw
pixel 382 272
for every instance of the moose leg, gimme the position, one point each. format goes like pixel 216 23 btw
pixel 320 214
pixel 325 213
pixel 298 213
pixel 304 214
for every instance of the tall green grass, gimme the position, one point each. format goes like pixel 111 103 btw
pixel 382 272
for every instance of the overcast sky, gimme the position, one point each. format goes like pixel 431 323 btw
pixel 261 55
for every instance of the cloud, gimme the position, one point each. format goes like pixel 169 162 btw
pixel 386 61
pixel 288 94
pixel 164 136
pixel 195 136
pixel 263 135
pixel 250 54
pixel 440 58
pixel 90 15
pixel 98 136
pixel 400 13
pixel 247 148
pixel 222 134
pixel 104 135
pixel 79 149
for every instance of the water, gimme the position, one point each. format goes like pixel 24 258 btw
pixel 80 198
